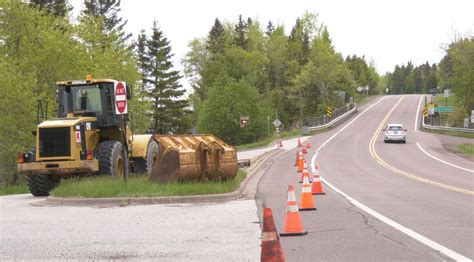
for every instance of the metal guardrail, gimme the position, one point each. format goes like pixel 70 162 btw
pixel 446 128
pixel 341 114
pixel 322 120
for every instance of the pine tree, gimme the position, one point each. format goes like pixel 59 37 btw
pixel 215 43
pixel 169 108
pixel 294 31
pixel 241 30
pixel 270 29
pixel 56 7
pixel 108 9
pixel 143 60
pixel 305 49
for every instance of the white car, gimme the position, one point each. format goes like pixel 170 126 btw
pixel 395 132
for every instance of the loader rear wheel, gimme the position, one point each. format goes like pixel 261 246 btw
pixel 39 185
pixel 111 159
pixel 151 156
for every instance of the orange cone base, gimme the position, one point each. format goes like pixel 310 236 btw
pixel 307 209
pixel 272 251
pixel 302 233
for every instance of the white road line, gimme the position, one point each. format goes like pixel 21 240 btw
pixel 417 113
pixel 442 161
pixel 432 244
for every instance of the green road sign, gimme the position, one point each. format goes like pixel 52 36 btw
pixel 445 109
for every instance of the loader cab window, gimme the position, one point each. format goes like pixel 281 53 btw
pixel 96 100
pixel 85 100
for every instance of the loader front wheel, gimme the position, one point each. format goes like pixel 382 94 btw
pixel 111 159
pixel 39 185
pixel 151 156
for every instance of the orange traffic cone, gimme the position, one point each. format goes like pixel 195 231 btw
pixel 307 201
pixel 301 163
pixel 303 149
pixel 297 157
pixel 293 225
pixel 305 171
pixel 271 248
pixel 308 145
pixel 317 186
pixel 299 142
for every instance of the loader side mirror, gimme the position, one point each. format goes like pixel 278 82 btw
pixel 129 92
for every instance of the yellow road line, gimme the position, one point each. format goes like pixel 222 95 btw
pixel 375 156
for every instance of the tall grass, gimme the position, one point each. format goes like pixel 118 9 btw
pixel 467 149
pixel 140 186
pixel 13 189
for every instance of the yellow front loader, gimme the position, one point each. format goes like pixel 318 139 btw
pixel 90 136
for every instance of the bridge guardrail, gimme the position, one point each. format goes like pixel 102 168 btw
pixel 340 115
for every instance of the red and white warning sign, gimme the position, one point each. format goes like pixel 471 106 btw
pixel 77 134
pixel 120 91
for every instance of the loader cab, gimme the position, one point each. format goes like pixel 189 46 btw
pixel 88 98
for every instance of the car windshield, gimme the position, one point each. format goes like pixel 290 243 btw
pixel 395 128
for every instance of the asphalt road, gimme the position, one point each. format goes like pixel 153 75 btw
pixel 173 232
pixel 414 192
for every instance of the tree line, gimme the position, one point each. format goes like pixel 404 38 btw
pixel 240 68
pixel 455 72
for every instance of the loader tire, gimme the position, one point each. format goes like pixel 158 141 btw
pixel 111 159
pixel 152 154
pixel 39 185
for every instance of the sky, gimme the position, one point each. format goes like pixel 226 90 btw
pixel 387 33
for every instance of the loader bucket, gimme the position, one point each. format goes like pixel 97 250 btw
pixel 193 157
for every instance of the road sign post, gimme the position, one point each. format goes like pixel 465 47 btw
pixel 120 92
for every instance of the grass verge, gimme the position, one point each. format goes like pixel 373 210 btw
pixel 467 149
pixel 140 186
pixel 13 189
pixel 449 133
pixel 268 140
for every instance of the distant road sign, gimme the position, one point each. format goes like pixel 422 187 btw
pixel 244 121
pixel 444 109
pixel 329 111
pixel 446 93
pixel 120 91
pixel 277 123
pixel 431 110
pixel 425 111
